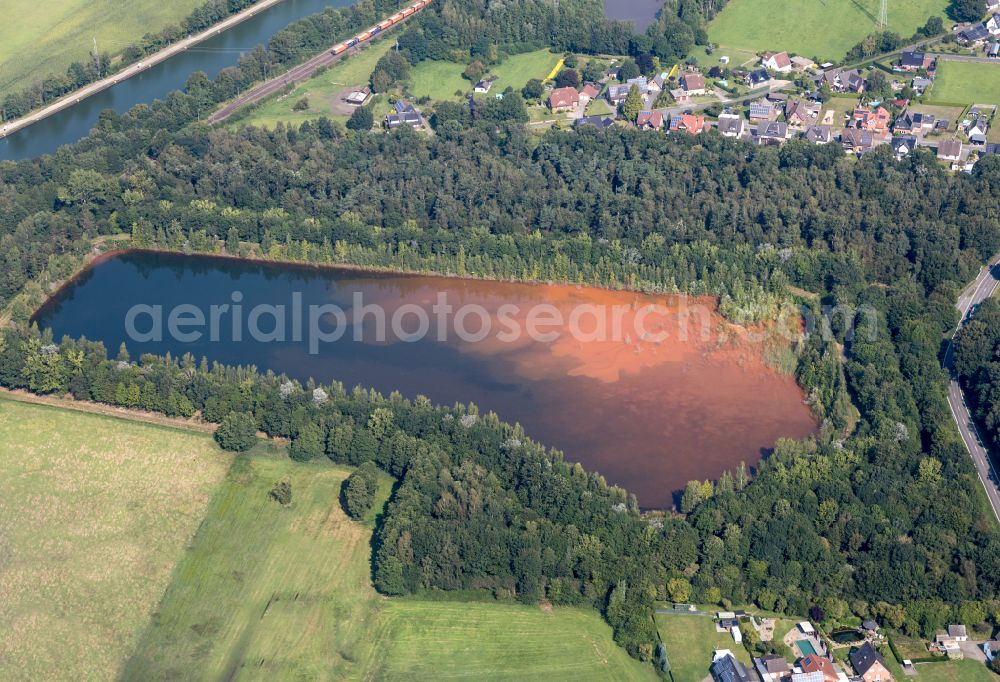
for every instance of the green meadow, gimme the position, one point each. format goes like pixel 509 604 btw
pixel 826 29
pixel 966 83
pixel 37 39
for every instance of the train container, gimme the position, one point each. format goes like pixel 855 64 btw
pixel 337 49
pixel 362 37
pixel 385 24
pixel 396 18
pixel 352 42
pixel 374 30
pixel 408 11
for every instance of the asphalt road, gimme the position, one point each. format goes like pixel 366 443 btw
pixel 73 98
pixel 302 72
pixel 977 292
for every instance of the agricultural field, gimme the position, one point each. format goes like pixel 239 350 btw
pixel 95 512
pixel 966 83
pixel 36 41
pixel 323 92
pixel 441 80
pixel 690 641
pixel 276 592
pixel 823 29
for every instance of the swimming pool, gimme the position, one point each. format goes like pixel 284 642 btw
pixel 806 647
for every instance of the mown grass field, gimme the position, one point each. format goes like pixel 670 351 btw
pixel 690 641
pixel 37 39
pixel 966 83
pixel 440 80
pixel 94 514
pixel 814 28
pixel 322 91
pixel 268 592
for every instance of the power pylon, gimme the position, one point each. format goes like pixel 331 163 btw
pixel 883 15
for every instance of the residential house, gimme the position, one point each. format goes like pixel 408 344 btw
pixel 975 35
pixel 868 119
pixel 693 84
pixel 564 99
pixel 803 63
pixel 772 132
pixel 601 122
pixel 869 664
pixel 942 125
pixel 950 150
pixel 819 134
pixel 993 25
pixel 649 120
pixel 616 94
pixel 772 668
pixel 914 61
pixel 913 123
pixel 680 96
pixel 814 663
pixel 993 6
pixel 659 82
pixel 869 626
pixel 807 677
pixel 732 125
pixel 991 649
pixel 902 146
pixel 920 84
pixel 801 113
pixel 857 141
pixel 404 114
pixel 758 78
pixel 958 633
pixel 589 92
pixel 485 84
pixel 726 668
pixel 840 80
pixel 990 149
pixel 776 61
pixel 763 110
pixel 944 642
pixel 977 130
pixel 687 123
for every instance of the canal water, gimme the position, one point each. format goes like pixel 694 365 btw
pixel 683 396
pixel 211 56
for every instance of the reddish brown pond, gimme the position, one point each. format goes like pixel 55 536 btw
pixel 649 391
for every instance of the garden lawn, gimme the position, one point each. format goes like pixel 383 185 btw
pixel 39 39
pixel 825 29
pixel 966 83
pixel 95 512
pixel 272 592
pixel 441 80
pixel 690 641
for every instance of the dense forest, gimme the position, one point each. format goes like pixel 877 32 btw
pixel 880 515
pixel 977 361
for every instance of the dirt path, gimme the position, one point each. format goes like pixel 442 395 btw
pixel 107 411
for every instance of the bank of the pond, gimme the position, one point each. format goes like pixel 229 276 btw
pixel 686 397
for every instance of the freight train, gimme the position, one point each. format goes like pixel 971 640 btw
pixel 382 26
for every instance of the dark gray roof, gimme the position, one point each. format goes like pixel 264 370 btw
pixel 819 134
pixel 912 59
pixel 599 121
pixel 728 669
pixel 978 32
pixel 865 657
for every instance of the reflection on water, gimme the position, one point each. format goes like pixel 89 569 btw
pixel 649 412
pixel 640 12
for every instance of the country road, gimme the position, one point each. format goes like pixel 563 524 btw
pixel 977 292
pixel 75 97
pixel 964 58
pixel 297 74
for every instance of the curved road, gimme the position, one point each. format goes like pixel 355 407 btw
pixel 977 292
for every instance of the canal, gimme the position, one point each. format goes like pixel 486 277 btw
pixel 211 56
